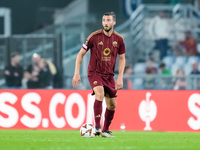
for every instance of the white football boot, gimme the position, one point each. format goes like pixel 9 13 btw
pixel 107 134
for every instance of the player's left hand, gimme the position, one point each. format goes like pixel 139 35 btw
pixel 119 84
pixel 76 79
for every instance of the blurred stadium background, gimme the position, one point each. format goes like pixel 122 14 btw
pixel 57 29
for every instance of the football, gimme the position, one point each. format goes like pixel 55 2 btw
pixel 87 130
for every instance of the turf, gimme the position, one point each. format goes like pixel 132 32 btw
pixel 67 140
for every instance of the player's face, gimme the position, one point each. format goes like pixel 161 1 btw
pixel 41 64
pixel 108 23
pixel 16 59
pixel 36 59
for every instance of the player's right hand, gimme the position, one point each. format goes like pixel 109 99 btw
pixel 76 79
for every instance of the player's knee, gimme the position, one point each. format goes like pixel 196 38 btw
pixel 99 96
pixel 112 106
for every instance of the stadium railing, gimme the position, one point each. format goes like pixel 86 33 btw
pixel 148 82
pixel 26 46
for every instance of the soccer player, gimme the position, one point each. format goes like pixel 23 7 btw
pixel 104 45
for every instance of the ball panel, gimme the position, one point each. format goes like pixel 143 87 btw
pixel 87 130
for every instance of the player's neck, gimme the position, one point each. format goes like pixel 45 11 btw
pixel 108 33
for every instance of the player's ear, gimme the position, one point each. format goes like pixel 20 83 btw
pixel 114 22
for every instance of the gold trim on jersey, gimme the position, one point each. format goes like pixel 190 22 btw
pixel 93 33
pixel 119 35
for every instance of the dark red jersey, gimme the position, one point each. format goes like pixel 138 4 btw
pixel 104 51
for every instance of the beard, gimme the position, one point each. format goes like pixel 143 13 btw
pixel 107 29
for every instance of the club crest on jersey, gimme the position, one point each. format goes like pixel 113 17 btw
pixel 95 82
pixel 115 44
pixel 100 43
pixel 106 51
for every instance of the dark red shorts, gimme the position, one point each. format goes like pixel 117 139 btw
pixel 108 83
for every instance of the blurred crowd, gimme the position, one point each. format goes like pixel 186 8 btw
pixel 157 76
pixel 40 74
pixel 159 32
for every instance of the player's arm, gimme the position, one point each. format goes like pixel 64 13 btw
pixel 119 82
pixel 79 58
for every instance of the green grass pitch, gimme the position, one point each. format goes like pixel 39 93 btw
pixel 71 140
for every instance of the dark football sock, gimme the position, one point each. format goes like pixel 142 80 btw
pixel 97 112
pixel 109 114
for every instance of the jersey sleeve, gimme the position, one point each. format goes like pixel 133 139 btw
pixel 122 48
pixel 88 43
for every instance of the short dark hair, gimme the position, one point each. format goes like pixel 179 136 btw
pixel 13 54
pixel 162 65
pixel 111 14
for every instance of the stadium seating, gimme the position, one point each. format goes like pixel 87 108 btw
pixel 139 68
pixel 187 69
pixel 172 63
pixel 168 60
pixel 192 59
pixel 138 83
pixel 174 68
pixel 180 60
pixel 199 67
pixel 198 48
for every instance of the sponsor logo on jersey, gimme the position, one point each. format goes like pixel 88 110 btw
pixel 106 51
pixel 106 58
pixel 100 43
